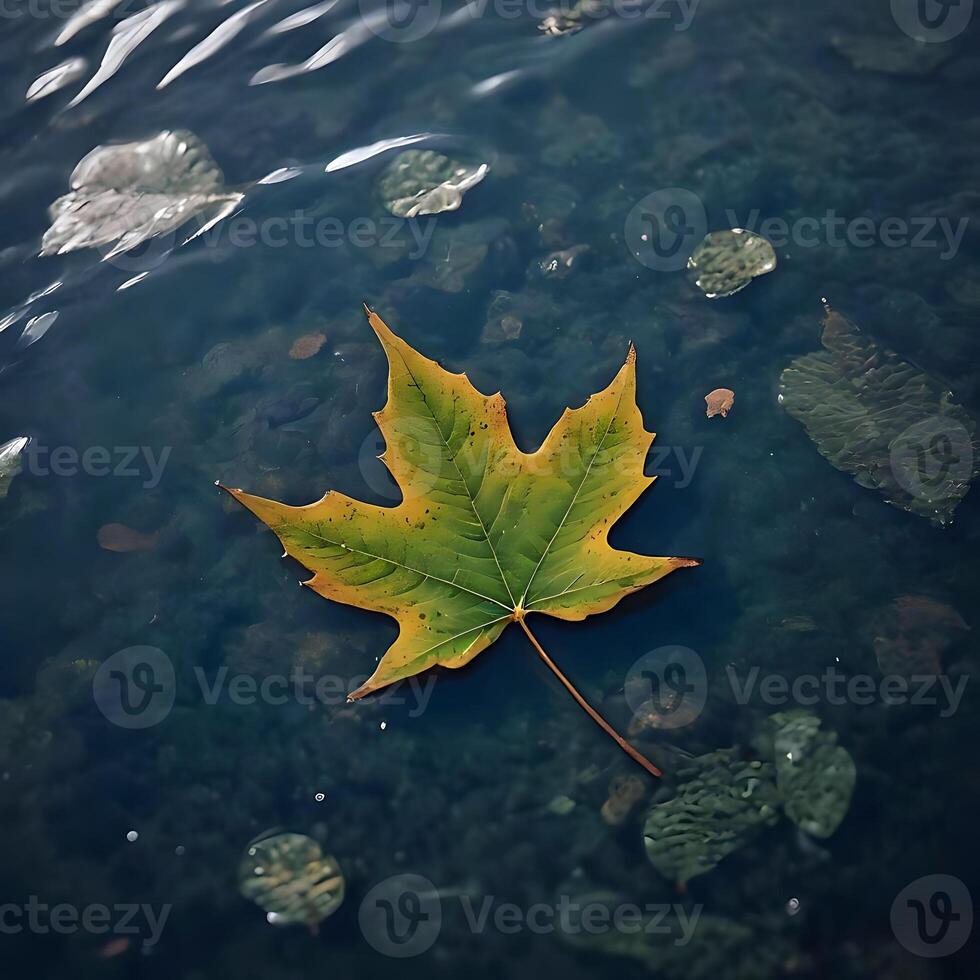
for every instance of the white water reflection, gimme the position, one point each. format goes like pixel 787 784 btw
pixel 353 36
pixel 281 175
pixel 87 14
pixel 224 34
pixel 36 328
pixel 126 37
pixel 302 17
pixel 362 153
pixel 56 78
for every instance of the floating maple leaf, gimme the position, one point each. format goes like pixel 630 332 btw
pixel 486 535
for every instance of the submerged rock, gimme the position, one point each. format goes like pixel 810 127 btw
pixel 721 803
pixel 624 793
pixel 912 633
pixel 10 461
pixel 461 256
pixel 291 407
pixel 892 55
pixel 119 537
pixel 964 289
pixel 814 775
pixel 727 261
pixel 289 877
pixel 510 314
pixel 571 138
pixel 131 192
pixel 421 182
pixel 891 426
pixel 683 945
pixel 307 346
pixel 561 806
pixel 568 21
pixel 557 265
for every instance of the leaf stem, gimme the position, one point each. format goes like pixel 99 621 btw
pixel 589 710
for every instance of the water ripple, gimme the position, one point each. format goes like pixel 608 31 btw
pixel 126 37
pixel 224 34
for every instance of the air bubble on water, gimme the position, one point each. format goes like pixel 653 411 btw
pixel 384 725
pixel 320 797
pixel 132 837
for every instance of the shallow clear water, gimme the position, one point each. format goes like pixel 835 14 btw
pixel 137 400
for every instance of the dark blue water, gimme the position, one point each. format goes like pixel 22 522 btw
pixel 137 400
